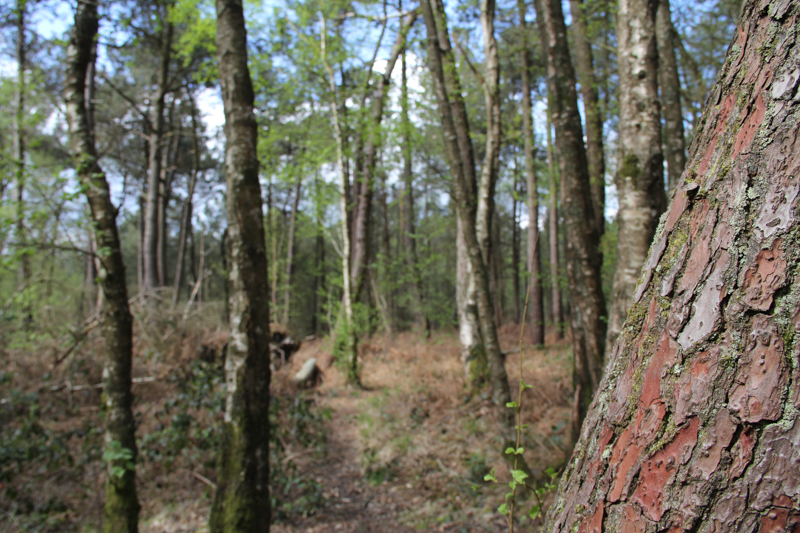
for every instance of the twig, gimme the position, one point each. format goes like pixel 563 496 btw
pixel 205 480
pixel 77 338
pixel 373 18
pixel 295 455
pixel 466 58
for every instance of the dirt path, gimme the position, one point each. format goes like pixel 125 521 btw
pixel 351 503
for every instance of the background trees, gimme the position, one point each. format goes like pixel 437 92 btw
pixel 403 152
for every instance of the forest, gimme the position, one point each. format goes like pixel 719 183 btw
pixel 373 265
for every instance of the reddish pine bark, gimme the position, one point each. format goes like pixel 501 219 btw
pixel 695 426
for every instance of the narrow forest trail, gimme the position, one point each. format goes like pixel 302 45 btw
pixel 351 503
pixel 402 454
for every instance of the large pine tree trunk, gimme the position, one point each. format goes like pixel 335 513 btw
pixel 536 309
pixel 242 502
pixel 121 509
pixel 151 221
pixel 458 148
pixel 587 311
pixel 584 61
pixel 695 427
pixel 640 174
pixel 670 83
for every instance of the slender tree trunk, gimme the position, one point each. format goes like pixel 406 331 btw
pixel 319 258
pixel 90 280
pixel 552 221
pixel 695 427
pixel 536 311
pixel 496 258
pixel 473 355
pixel 18 142
pixel 387 251
pixel 515 245
pixel 121 509
pixel 350 347
pixel 491 90
pixel 583 263
pixel 458 147
pixel 290 252
pixel 151 223
pixel 407 201
pixel 140 215
pixel 584 61
pixel 242 501
pixel 670 83
pixel 192 265
pixel 171 158
pixel 640 176
pixel 476 361
pixel 186 215
pixel 361 226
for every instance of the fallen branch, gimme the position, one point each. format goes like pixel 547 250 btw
pixel 70 388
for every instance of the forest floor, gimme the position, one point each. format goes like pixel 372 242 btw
pixel 404 453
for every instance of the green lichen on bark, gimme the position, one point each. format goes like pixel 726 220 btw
pixel 121 509
pixel 477 368
pixel 233 507
pixel 630 167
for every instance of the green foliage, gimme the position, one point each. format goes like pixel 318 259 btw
pixel 24 440
pixel 119 459
pixel 294 420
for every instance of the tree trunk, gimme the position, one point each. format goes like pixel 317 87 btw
pixel 242 501
pixel 640 175
pixel 515 244
pixel 496 258
pixel 552 221
pixel 491 163
pixel 90 275
pixel 584 61
pixel 670 83
pixel 18 147
pixel 473 355
pixel 407 211
pixel 348 343
pixel 140 216
pixel 361 225
pixel 165 194
pixel 290 252
pixel 121 509
pixel 458 148
pixel 319 258
pixel 386 249
pixel 536 312
pixel 151 223
pixel 583 263
pixel 695 426
pixel 186 215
